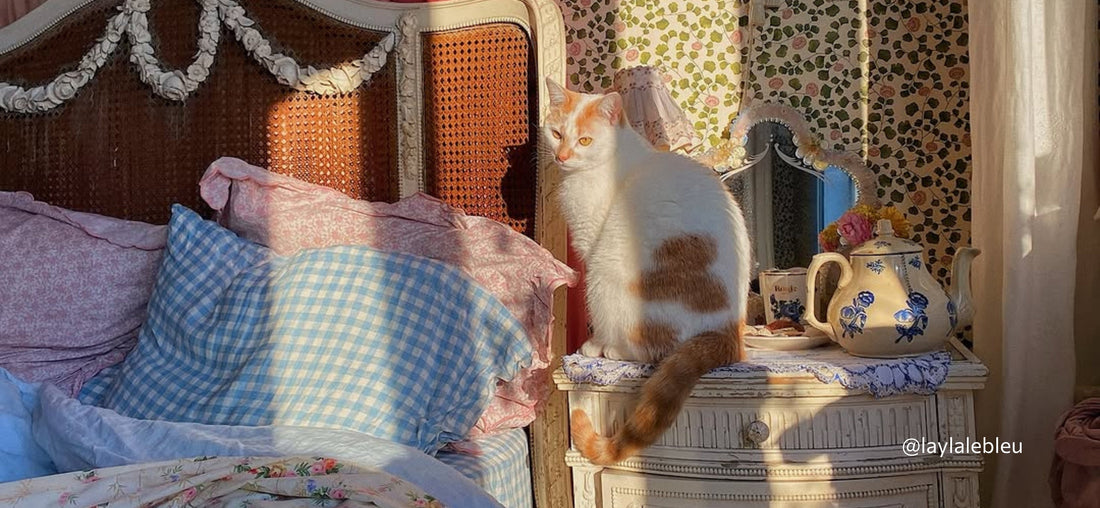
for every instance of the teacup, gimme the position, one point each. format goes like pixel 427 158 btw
pixel 784 293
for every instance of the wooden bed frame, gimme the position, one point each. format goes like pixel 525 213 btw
pixel 117 107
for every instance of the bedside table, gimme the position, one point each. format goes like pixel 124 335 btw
pixel 763 439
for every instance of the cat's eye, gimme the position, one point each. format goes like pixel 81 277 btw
pixel 585 141
pixel 556 134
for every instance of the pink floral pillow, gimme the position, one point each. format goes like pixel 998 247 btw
pixel 289 215
pixel 73 289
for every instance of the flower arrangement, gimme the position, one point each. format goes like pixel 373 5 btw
pixel 857 226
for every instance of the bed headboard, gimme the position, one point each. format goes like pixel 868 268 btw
pixel 118 106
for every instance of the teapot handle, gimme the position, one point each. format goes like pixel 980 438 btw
pixel 820 260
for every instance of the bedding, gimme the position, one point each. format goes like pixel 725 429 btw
pixel 81 441
pixel 397 346
pixel 289 215
pixel 223 481
pixel 74 287
pixel 501 466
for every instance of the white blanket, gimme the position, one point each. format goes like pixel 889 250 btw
pixel 45 431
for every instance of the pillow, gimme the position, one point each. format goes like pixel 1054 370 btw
pixel 289 215
pixel 393 345
pixel 74 287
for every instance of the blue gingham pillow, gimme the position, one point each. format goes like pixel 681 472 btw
pixel 397 346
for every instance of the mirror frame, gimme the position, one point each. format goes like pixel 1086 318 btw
pixel 732 156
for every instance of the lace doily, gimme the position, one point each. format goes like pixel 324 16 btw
pixel 880 377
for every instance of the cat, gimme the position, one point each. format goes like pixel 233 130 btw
pixel 667 260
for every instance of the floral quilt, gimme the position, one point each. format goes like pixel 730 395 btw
pixel 223 482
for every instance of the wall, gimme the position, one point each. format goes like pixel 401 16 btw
pixel 889 81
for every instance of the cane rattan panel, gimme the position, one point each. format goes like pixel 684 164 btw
pixel 479 129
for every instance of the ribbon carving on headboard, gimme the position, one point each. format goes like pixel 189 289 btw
pixel 132 22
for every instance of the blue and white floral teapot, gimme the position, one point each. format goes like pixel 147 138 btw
pixel 887 304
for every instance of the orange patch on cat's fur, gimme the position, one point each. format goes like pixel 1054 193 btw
pixel 681 275
pixel 655 338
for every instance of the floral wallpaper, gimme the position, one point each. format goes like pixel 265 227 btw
pixel 887 79
pixel 700 47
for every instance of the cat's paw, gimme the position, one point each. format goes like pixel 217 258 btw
pixel 617 353
pixel 592 349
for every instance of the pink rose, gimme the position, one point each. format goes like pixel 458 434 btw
pixel 736 36
pixel 586 3
pixel 913 24
pixel 696 45
pixel 873 151
pixel 811 89
pixel 189 494
pixel 956 73
pixel 317 468
pixel 338 494
pixel 886 91
pixel 631 54
pixel 619 26
pixel 924 91
pixel 775 83
pixel 575 48
pixel 799 42
pixel 839 66
pixel 854 228
pixel 787 13
pixel 931 146
pixel 966 139
pixel 835 135
pixel 711 101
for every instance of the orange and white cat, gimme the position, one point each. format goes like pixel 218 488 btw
pixel 666 255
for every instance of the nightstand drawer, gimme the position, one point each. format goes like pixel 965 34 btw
pixel 798 423
pixel 622 490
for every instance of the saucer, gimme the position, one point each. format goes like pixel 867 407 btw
pixel 810 339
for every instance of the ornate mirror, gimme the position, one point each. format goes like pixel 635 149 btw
pixel 789 187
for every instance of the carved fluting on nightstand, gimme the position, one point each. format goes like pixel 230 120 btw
pixel 956 416
pixel 802 424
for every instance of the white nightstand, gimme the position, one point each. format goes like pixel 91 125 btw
pixel 767 441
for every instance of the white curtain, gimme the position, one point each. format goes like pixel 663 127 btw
pixel 1033 116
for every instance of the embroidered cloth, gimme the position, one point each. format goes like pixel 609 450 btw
pixel 880 377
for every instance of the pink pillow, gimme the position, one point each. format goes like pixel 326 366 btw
pixel 288 215
pixel 73 289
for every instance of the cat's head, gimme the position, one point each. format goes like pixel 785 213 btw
pixel 580 128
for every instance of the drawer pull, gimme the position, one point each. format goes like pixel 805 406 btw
pixel 757 432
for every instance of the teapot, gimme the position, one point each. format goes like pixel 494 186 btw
pixel 887 304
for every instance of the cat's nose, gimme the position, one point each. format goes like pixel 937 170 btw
pixel 563 155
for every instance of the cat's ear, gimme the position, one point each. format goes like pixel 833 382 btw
pixel 611 105
pixel 557 92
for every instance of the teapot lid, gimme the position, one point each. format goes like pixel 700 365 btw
pixel 885 243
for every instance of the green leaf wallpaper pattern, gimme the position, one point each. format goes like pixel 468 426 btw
pixel 888 79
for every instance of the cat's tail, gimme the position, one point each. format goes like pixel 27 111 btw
pixel 662 396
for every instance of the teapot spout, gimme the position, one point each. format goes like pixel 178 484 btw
pixel 959 292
